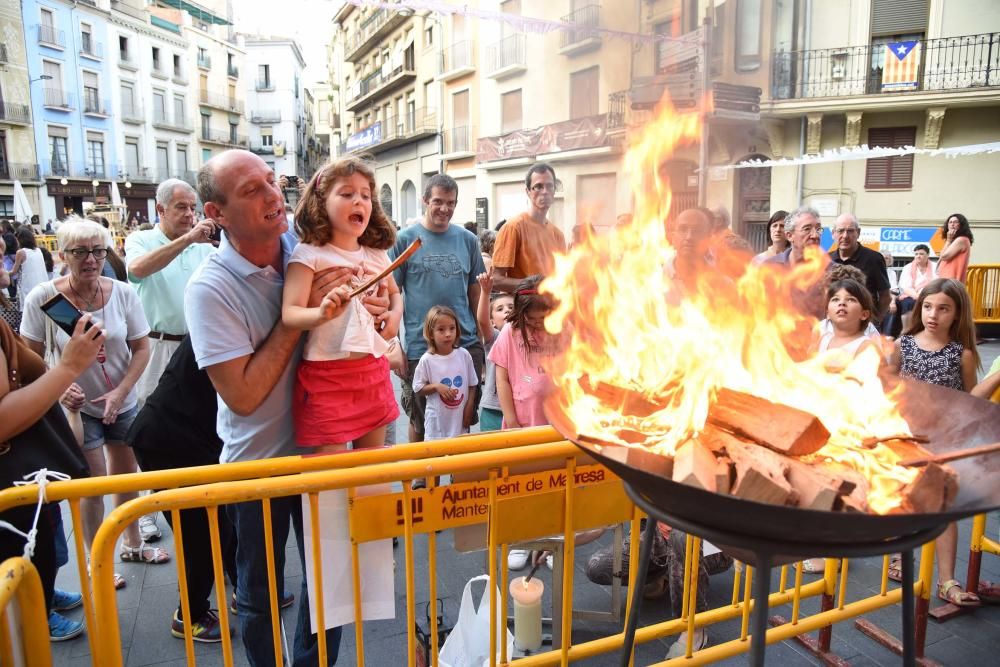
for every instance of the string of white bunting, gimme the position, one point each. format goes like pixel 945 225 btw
pixel 517 21
pixel 865 152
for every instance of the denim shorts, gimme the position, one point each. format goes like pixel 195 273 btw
pixel 96 432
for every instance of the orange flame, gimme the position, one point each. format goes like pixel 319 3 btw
pixel 630 319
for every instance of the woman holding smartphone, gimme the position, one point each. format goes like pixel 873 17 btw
pixel 105 393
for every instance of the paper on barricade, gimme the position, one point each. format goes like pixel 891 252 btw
pixel 378 600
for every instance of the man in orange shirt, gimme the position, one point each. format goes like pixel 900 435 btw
pixel 526 244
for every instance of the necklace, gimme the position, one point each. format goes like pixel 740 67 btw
pixel 87 302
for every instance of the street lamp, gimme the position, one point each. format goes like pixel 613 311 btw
pixel 94 183
pixel 43 77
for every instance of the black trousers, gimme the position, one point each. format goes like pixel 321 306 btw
pixel 44 559
pixel 198 564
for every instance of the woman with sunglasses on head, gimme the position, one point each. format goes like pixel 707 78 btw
pixel 105 393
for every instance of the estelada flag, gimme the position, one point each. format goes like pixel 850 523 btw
pixel 901 68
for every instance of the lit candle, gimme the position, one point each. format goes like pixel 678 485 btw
pixel 527 613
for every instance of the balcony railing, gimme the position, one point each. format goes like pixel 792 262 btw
pixel 586 19
pixel 49 35
pixel 163 120
pixel 506 55
pixel 617 109
pixel 948 63
pixel 456 58
pixel 380 22
pixel 262 85
pixel 205 62
pixel 266 116
pixel 90 47
pixel 224 137
pixel 399 128
pixel 221 101
pixel 57 98
pixel 459 140
pixel 260 149
pixel 16 171
pixel 3 53
pixel 383 81
pixel 132 113
pixel 92 104
pixel 15 113
pixel 233 71
pixel 126 61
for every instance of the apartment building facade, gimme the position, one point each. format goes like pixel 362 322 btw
pixel 18 161
pixel 276 98
pixel 390 99
pixel 71 107
pixel 924 73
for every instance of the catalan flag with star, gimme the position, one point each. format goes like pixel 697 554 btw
pixel 901 67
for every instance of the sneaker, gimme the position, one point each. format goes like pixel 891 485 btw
pixel 206 629
pixel 148 529
pixel 679 647
pixel 64 600
pixel 517 559
pixel 62 629
pixel 287 600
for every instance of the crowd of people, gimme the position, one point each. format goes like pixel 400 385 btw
pixel 268 341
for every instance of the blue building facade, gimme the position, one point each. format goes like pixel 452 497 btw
pixel 72 84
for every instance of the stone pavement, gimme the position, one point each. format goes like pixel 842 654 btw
pixel 149 599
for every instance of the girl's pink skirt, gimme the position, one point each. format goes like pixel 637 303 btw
pixel 341 400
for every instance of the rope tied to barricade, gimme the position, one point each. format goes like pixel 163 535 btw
pixel 41 478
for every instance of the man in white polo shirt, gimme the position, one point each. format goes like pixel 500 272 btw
pixel 160 262
pixel 233 308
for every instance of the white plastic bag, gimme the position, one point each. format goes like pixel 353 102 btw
pixel 468 644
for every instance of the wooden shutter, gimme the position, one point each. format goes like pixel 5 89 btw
pixel 897 17
pixel 583 89
pixel 887 173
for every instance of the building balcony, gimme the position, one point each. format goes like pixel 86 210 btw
pixel 379 24
pixel 456 61
pixel 393 131
pixel 458 143
pixel 263 85
pixel 16 171
pixel 383 82
pixel 126 61
pixel 49 36
pixel 506 58
pixel 163 121
pixel 265 117
pixel 95 106
pixel 223 138
pixel 3 53
pixel 224 102
pixel 132 114
pixel 137 174
pixel 57 98
pixel 205 62
pixel 180 78
pixel 946 65
pixel 19 114
pixel 159 71
pixel 583 37
pixel 233 72
pixel 90 48
pixel 260 149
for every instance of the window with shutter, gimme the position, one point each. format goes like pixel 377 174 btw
pixel 890 173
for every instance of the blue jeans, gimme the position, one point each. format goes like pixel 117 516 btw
pixel 252 599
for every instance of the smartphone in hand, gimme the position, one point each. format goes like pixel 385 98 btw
pixel 63 313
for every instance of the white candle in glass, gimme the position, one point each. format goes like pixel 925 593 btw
pixel 527 613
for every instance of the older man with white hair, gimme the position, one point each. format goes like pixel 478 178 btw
pixel 160 262
pixel 847 234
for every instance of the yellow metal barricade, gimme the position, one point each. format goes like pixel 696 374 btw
pixel 30 646
pixel 980 544
pixel 983 284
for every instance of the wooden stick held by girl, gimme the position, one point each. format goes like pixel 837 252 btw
pixel 446 375
pixel 343 392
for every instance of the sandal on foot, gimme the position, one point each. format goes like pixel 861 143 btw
pixel 896 568
pixel 953 592
pixel 119 581
pixel 814 566
pixel 143 554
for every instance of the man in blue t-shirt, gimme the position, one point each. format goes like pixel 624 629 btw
pixel 442 272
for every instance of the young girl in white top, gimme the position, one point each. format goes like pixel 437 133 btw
pixel 849 309
pixel 343 393
pixel 445 375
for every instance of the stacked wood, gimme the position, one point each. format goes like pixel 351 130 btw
pixel 751 448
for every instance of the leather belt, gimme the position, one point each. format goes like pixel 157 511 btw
pixel 165 336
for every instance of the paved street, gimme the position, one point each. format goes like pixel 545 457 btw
pixel 146 605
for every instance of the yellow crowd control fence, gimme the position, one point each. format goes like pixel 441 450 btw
pixel 24 635
pixel 513 500
pixel 983 284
